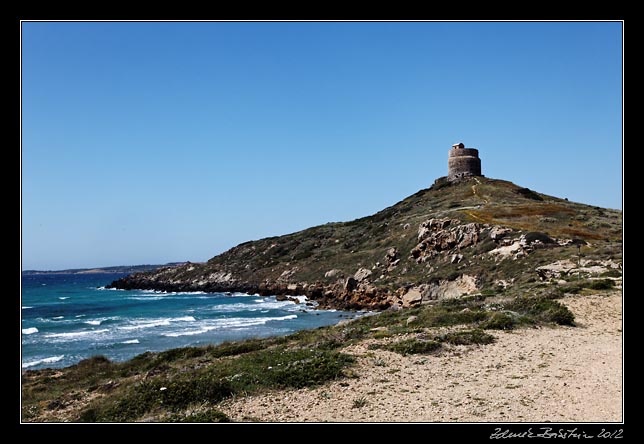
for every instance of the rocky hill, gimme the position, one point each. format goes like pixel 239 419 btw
pixel 469 236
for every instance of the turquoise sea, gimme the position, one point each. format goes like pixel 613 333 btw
pixel 70 317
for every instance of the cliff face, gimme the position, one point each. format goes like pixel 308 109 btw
pixel 451 239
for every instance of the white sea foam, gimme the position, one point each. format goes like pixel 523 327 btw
pixel 241 306
pixel 272 304
pixel 49 360
pixel 146 324
pixel 227 323
pixel 189 332
pixel 247 322
pixel 112 289
pixel 24 307
pixel 62 298
pixel 145 298
pixel 29 331
pixel 58 317
pixel 131 341
pixel 99 321
pixel 80 316
pixel 171 293
pixel 150 323
pixel 76 334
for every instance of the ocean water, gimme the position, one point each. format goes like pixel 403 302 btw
pixel 70 317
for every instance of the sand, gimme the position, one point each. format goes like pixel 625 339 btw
pixel 558 374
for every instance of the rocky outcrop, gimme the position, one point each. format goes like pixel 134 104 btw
pixel 446 289
pixel 412 297
pixel 441 235
pixel 563 268
pixel 333 273
pixel 362 274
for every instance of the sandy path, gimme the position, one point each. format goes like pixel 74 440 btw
pixel 547 374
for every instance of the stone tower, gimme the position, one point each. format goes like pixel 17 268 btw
pixel 463 162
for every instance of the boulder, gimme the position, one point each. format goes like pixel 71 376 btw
pixel 332 273
pixel 507 251
pixel 362 274
pixel 497 233
pixel 379 329
pixel 411 319
pixel 432 225
pixel 456 258
pixel 556 269
pixel 391 255
pixel 350 284
pixel 393 265
pixel 445 289
pixel 412 297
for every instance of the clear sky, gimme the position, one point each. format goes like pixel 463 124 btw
pixel 159 142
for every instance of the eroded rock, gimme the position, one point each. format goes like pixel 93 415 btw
pixel 362 274
pixel 412 297
pixel 333 273
pixel 443 235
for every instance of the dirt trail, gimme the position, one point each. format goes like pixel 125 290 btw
pixel 548 374
pixel 474 191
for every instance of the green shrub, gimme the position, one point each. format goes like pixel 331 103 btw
pixel 542 309
pixel 445 317
pixel 359 403
pixel 612 273
pixel 467 337
pixel 412 346
pixel 498 321
pixel 175 354
pixel 149 395
pixel 211 415
pixel 601 284
pixel 528 194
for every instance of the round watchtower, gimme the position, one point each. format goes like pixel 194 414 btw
pixel 463 162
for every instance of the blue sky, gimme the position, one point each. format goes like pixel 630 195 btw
pixel 158 142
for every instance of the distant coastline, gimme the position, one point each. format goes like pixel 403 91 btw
pixel 105 270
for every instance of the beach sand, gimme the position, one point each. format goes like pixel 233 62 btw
pixel 562 374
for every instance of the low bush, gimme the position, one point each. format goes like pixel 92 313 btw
pixel 411 346
pixel 467 337
pixel 601 284
pixel 498 321
pixel 211 415
pixel 542 309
